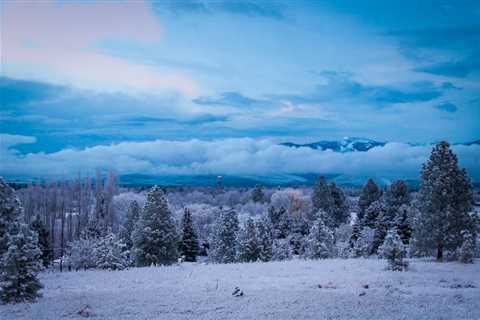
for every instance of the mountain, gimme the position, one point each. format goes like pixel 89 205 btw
pixel 347 144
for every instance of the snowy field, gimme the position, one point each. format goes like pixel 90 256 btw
pixel 324 289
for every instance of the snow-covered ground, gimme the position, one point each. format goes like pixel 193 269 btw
pixel 324 289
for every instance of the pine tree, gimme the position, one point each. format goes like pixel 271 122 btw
pixel 281 250
pixel 248 243
pixel 110 253
pixel 224 238
pixel 43 241
pixel 370 193
pixel 299 228
pixel 10 213
pixel 320 242
pixel 402 223
pixel 468 248
pixel 20 256
pixel 189 246
pixel 155 236
pixel 397 195
pixel 322 197
pixel 19 267
pixel 363 246
pixel 257 194
pixel 373 212
pixel 394 251
pixel 382 226
pixel 445 202
pixel 265 239
pixel 341 212
pixel 131 219
pixel 281 222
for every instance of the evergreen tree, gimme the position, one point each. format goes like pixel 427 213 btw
pixel 322 197
pixel 281 250
pixel 356 230
pixel 373 212
pixel 223 242
pixel 257 194
pixel 281 222
pixel 265 239
pixel 397 195
pixel 155 236
pixel 370 193
pixel 468 248
pixel 363 246
pixel 131 219
pixel 189 246
pixel 10 213
pixel 320 241
pixel 341 212
pixel 402 223
pixel 299 229
pixel 43 241
pixel 445 202
pixel 20 255
pixel 248 243
pixel 110 253
pixel 394 251
pixel 19 266
pixel 382 226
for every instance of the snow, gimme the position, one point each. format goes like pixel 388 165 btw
pixel 297 289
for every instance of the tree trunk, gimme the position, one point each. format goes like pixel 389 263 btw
pixel 440 252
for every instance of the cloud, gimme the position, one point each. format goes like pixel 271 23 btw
pixel 447 106
pixel 243 156
pixel 59 45
pixel 341 86
pixel 267 9
pixel 230 98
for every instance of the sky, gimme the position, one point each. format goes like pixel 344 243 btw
pixel 212 87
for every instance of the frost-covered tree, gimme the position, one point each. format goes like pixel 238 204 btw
pixel 43 241
pixel 320 242
pixel 383 224
pixel 402 222
pixel 322 197
pixel 110 253
pixel 299 227
pixel 155 236
pixel 224 238
pixel 468 248
pixel 370 193
pixel 363 245
pixel 20 258
pixel 281 250
pixel 397 195
pixel 189 247
pixel 373 212
pixel 10 213
pixel 340 210
pixel 394 251
pixel 445 200
pixel 265 239
pixel 131 219
pixel 82 253
pixel 280 220
pixel 257 194
pixel 19 266
pixel 248 247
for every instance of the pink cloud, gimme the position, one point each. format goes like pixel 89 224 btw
pixel 55 42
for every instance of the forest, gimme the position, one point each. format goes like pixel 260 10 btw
pixel 85 223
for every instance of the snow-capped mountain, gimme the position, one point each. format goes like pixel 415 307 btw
pixel 354 144
pixel 347 144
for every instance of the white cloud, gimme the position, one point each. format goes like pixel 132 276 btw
pixel 242 156
pixel 57 42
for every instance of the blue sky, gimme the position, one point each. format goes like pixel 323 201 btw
pixel 76 75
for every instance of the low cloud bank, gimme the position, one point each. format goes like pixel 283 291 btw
pixel 244 156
